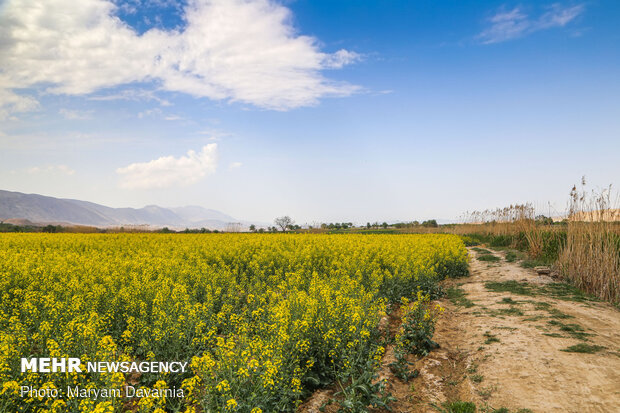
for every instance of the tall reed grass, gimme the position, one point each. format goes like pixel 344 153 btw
pixel 590 258
pixel 584 248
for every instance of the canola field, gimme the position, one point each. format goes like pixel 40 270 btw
pixel 262 320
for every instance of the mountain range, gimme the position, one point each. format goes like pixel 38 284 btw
pixel 18 207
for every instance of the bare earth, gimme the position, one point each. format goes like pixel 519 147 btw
pixel 504 350
pixel 526 369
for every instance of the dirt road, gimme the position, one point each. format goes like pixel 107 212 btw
pixel 511 339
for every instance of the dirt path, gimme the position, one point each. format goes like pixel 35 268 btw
pixel 502 339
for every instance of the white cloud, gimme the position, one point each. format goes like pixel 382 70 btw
pixel 11 103
pixel 133 95
pixel 505 26
pixel 559 17
pixel 235 50
pixel 158 113
pixel 508 25
pixel 51 169
pixel 341 58
pixel 150 112
pixel 235 165
pixel 76 114
pixel 167 171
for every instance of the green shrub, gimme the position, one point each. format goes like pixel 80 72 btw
pixel 488 258
pixel 511 256
pixel 501 241
pixel 460 407
pixel 553 242
pixel 469 241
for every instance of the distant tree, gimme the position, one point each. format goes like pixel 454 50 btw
pixel 284 222
pixel 368 225
pixel 253 228
pixel 543 220
pixel 384 225
pixel 261 230
pixel 431 223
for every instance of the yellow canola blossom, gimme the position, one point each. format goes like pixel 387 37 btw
pixel 259 317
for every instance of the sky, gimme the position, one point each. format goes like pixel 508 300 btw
pixel 324 110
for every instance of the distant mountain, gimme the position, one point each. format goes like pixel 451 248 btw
pixel 200 214
pixel 45 209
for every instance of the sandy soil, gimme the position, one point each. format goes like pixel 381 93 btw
pixel 526 368
pixel 505 350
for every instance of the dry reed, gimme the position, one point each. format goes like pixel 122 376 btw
pixel 590 258
pixel 589 255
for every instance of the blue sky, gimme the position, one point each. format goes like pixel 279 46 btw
pixel 323 110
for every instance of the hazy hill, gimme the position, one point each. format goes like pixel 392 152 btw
pixel 199 214
pixel 46 209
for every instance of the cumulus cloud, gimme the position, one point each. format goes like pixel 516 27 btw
pixel 167 171
pixel 508 25
pixel 235 165
pixel 234 50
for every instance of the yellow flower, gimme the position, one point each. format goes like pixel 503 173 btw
pixel 231 404
pixel 10 387
pixel 237 305
pixel 223 386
